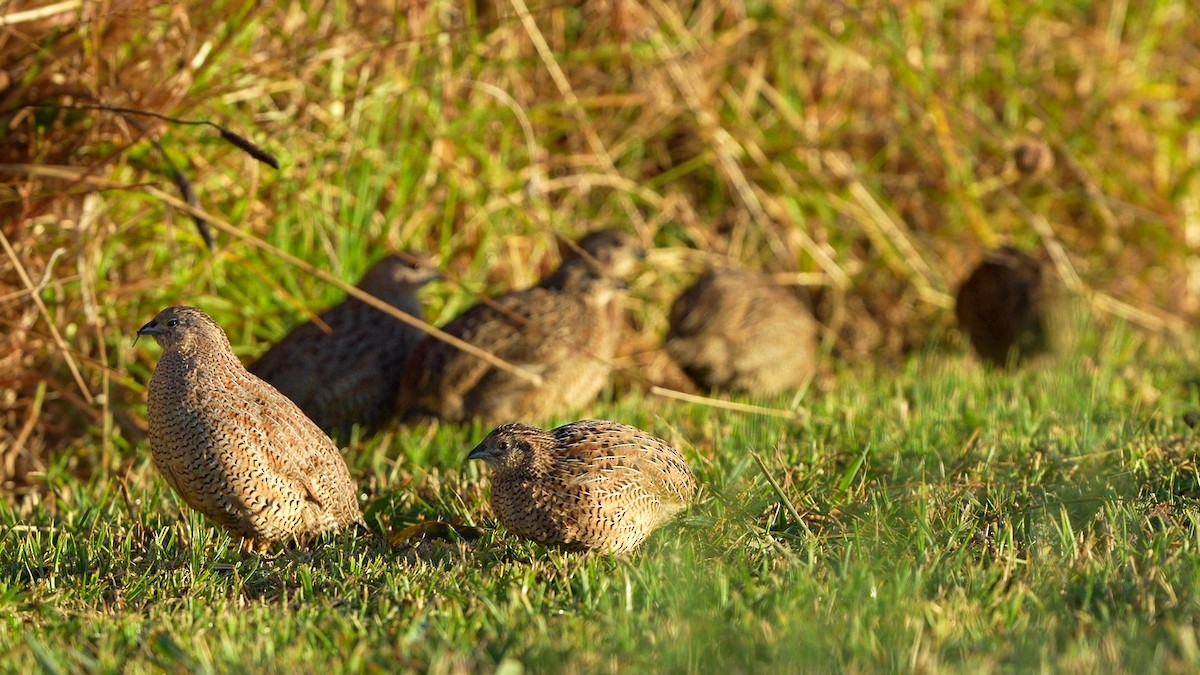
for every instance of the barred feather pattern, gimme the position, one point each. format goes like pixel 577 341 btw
pixel 566 330
pixel 232 446
pixel 592 485
pixel 348 374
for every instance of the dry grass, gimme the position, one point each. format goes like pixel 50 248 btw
pixel 55 367
pixel 875 149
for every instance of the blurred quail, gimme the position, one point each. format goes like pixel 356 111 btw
pixel 733 329
pixel 1004 306
pixel 592 485
pixel 606 252
pixel 348 374
pixel 232 446
pixel 1033 158
pixel 609 253
pixel 643 363
pixel 566 330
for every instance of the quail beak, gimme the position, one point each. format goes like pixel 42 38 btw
pixel 480 452
pixel 151 329
pixel 641 253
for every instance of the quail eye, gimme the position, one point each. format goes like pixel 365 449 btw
pixel 502 446
pixel 172 323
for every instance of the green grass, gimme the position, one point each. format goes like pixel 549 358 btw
pixel 951 518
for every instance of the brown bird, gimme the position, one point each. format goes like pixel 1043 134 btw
pixel 606 252
pixel 347 373
pixel 1004 307
pixel 592 485
pixel 733 329
pixel 566 330
pixel 232 446
pixel 1033 158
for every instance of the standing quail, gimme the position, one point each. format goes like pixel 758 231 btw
pixel 566 330
pixel 348 374
pixel 1004 307
pixel 592 485
pixel 232 446
pixel 733 329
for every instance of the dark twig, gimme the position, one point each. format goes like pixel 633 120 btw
pixel 241 142
pixel 177 176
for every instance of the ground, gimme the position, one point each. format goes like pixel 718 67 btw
pixel 938 516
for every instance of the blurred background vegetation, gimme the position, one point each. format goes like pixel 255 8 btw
pixel 870 151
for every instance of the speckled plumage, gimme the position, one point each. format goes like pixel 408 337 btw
pixel 348 374
pixel 1004 306
pixel 732 329
pixel 592 485
pixel 232 446
pixel 566 329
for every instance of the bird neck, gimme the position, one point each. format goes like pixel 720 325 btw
pixel 540 463
pixel 195 348
pixel 529 469
pixel 399 296
pixel 569 275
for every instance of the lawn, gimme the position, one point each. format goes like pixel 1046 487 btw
pixel 910 510
pixel 948 518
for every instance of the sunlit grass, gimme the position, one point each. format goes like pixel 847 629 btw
pixel 993 520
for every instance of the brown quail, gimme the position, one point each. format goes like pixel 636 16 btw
pixel 592 485
pixel 1033 158
pixel 348 374
pixel 609 253
pixel 606 252
pixel 232 446
pixel 566 330
pixel 733 329
pixel 1004 307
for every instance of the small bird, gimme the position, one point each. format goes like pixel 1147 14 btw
pixel 1033 158
pixel 347 373
pixel 566 329
pixel 592 485
pixel 733 329
pixel 232 446
pixel 1004 307
pixel 606 252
